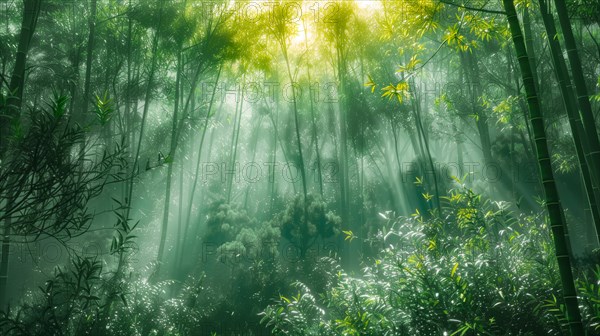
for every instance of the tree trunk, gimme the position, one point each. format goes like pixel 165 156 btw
pixel 296 125
pixel 89 58
pixel 313 117
pixel 253 150
pixel 198 161
pixel 273 158
pixel 529 45
pixel 587 116
pixel 544 163
pixel 12 113
pixel 577 129
pixel 170 157
pixel 235 138
pixel 343 134
pixel 472 72
pixel 31 10
pixel 421 131
pixel 147 100
pixel 315 138
pixel 75 62
pixel 5 253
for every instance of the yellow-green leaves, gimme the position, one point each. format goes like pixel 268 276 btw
pixel 281 22
pixel 453 270
pixel 399 91
pixel 411 65
pixel 455 39
pixel 596 97
pixel 103 108
pixel 482 27
pixel 432 245
pixel 504 109
pixel 370 83
pixel 428 25
pixel 349 235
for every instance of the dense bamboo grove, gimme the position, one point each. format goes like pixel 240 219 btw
pixel 343 167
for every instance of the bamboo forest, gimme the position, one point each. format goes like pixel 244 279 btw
pixel 316 167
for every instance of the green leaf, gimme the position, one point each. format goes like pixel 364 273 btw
pixel 454 270
pixel 370 83
pixel 349 235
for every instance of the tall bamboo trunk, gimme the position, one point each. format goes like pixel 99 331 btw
pixel 75 62
pixel 316 140
pixel 580 140
pixel 12 111
pixel 252 150
pixel 552 200
pixel 396 150
pixel 235 139
pixel 470 63
pixel 89 57
pixel 147 100
pixel 5 253
pixel 296 126
pixel 198 161
pixel 313 119
pixel 343 138
pixel 421 131
pixel 82 115
pixel 585 106
pixel 273 158
pixel 171 156
pixel 529 45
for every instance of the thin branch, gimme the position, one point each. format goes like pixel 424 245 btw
pixel 483 10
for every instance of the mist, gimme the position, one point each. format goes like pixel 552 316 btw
pixel 351 167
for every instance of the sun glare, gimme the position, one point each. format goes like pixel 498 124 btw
pixel 368 4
